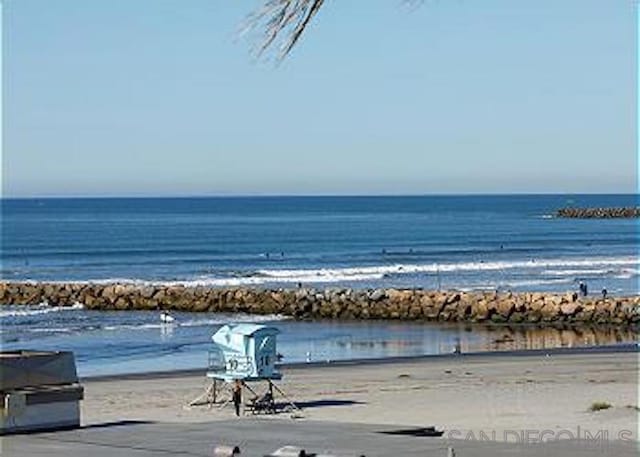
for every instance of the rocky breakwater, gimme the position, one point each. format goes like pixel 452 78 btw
pixel 445 306
pixel 599 213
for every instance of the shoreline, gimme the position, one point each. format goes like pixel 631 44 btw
pixel 621 348
pixel 338 303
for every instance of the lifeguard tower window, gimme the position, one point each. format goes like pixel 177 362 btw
pixel 245 352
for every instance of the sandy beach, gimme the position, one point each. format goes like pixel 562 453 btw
pixel 493 394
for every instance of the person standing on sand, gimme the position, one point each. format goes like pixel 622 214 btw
pixel 237 395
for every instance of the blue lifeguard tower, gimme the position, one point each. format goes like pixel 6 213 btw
pixel 244 353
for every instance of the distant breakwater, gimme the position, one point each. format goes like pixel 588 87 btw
pixel 403 304
pixel 599 213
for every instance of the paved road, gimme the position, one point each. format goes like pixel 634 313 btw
pixel 260 436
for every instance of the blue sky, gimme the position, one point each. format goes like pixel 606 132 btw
pixel 161 97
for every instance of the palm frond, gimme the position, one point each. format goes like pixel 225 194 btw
pixel 282 23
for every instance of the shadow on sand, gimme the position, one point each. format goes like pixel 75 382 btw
pixel 322 403
pixel 417 432
pixel 122 423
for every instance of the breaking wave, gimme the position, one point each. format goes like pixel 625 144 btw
pixel 554 267
pixel 179 322
pixel 42 308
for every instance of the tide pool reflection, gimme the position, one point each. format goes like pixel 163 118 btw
pixel 407 340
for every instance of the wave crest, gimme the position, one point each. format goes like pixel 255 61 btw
pixel 42 308
pixel 555 267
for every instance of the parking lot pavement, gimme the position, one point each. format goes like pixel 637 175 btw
pixel 259 437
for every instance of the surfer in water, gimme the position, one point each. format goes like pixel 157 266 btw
pixel 166 318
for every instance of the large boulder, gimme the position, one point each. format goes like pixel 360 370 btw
pixel 504 307
pixel 569 309
pixel 377 294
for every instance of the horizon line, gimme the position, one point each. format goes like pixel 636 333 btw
pixel 302 195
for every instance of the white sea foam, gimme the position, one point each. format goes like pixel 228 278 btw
pixel 104 281
pixel 134 326
pixel 477 288
pixel 49 330
pixel 580 272
pixel 368 273
pixel 42 308
pixel 516 283
pixel 535 282
pixel 237 318
pixel 107 281
pixel 620 267
pixel 627 273
pixel 313 276
pixel 223 319
pixel 448 267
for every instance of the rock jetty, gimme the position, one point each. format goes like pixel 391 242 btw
pixel 599 213
pixel 401 304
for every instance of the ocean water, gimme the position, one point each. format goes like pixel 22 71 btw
pixel 462 242
pixel 446 242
